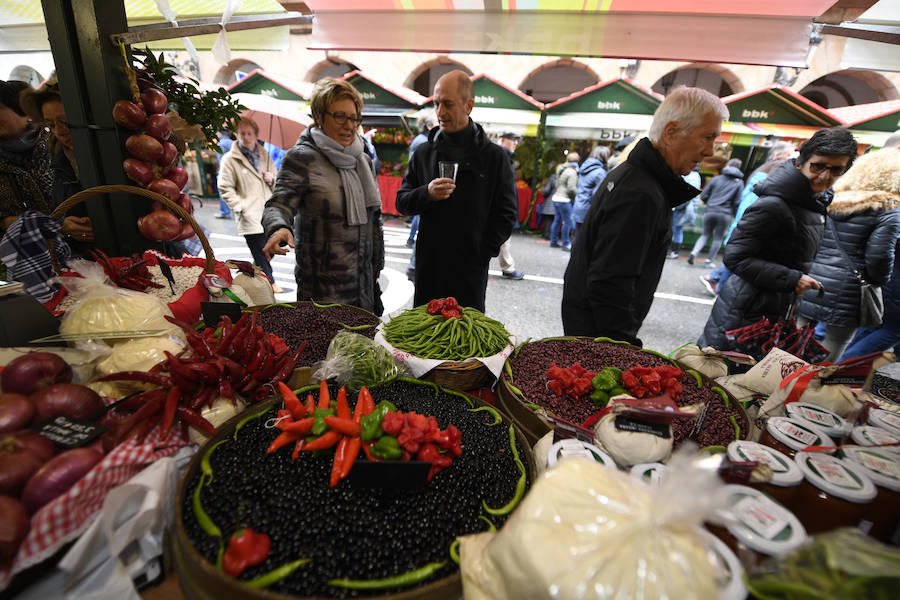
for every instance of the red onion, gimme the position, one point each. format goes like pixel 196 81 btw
pixel 129 115
pixel 14 525
pixel 21 454
pixel 154 101
pixel 138 171
pixel 69 399
pixel 159 127
pixel 184 201
pixel 33 371
pixel 160 226
pixel 144 147
pixel 179 176
pixel 187 231
pixel 170 152
pixel 30 442
pixel 58 475
pixel 166 187
pixel 16 412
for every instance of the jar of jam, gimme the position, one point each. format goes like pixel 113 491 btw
pixel 885 419
pixel 728 569
pixel 883 468
pixel 836 492
pixel 789 435
pixel 869 435
pixel 756 521
pixel 573 448
pixel 829 422
pixel 786 475
pixel 651 473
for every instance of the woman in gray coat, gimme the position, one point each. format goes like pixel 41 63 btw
pixel 329 181
pixel 865 218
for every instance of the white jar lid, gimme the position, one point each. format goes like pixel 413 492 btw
pixel 785 471
pixel 729 570
pixel 826 420
pixel 885 419
pixel 572 448
pixel 797 435
pixel 762 524
pixel 882 467
pixel 651 473
pixel 840 478
pixel 869 435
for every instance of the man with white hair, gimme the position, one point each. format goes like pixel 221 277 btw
pixel 618 256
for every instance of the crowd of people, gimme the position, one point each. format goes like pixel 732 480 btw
pixel 806 233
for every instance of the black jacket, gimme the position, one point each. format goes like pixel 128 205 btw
pixel 867 225
pixel 722 194
pixel 620 250
pixel 459 235
pixel 772 246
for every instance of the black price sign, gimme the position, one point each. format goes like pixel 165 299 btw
pixel 70 433
pixel 657 429
pixel 214 311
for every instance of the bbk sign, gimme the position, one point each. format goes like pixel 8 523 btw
pixel 608 105
pixel 485 100
pixel 756 114
pixel 272 92
pixel 368 96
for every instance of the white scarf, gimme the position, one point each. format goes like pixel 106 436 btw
pixel 360 191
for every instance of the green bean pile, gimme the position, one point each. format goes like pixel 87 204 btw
pixel 430 336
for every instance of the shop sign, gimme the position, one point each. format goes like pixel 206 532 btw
pixel 485 100
pixel 756 115
pixel 605 105
pixel 368 95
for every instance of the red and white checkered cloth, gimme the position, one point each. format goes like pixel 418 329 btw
pixel 66 517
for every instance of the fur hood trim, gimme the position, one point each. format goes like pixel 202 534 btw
pixel 855 202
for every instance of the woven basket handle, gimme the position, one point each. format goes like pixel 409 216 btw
pixel 83 195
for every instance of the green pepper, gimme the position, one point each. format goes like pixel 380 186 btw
pixel 319 426
pixel 599 398
pixel 617 391
pixel 403 580
pixel 370 424
pixel 276 575
pixel 387 447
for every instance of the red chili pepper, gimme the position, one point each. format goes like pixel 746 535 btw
pixel 343 409
pixel 288 363
pixel 451 303
pixel 168 417
pixel 353 447
pixel 297 448
pixel 154 401
pixel 339 455
pixel 284 438
pixel 577 370
pixel 450 313
pixel 434 306
pixel 345 426
pixel 303 426
pixel 291 401
pixel 141 376
pixel 310 405
pixel 326 440
pixel 366 396
pixel 556 386
pixel 324 395
pixel 367 448
pixel 392 423
pixel 194 419
pixel 246 549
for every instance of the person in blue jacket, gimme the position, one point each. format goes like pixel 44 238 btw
pixel 591 174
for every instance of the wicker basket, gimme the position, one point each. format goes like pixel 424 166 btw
pixel 83 195
pixel 461 376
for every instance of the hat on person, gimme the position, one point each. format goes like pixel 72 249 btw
pixel 509 135
pixel 31 100
pixel 623 143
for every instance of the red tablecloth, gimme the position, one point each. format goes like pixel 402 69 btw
pixel 387 187
pixel 524 201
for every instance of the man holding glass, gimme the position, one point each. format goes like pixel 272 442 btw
pixel 462 187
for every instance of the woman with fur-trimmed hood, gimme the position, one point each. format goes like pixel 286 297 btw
pixel 865 213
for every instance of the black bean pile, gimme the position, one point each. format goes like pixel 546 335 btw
pixel 317 325
pixel 349 532
pixel 529 371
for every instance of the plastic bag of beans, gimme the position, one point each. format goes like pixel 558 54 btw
pixel 354 360
pixel 586 531
pixel 706 360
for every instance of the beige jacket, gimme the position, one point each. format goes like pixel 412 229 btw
pixel 243 189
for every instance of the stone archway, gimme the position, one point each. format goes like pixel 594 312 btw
pixel 850 87
pixel 228 73
pixel 558 78
pixel 332 66
pixel 423 77
pixel 715 79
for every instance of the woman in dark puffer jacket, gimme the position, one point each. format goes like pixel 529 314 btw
pixel 865 216
pixel 773 246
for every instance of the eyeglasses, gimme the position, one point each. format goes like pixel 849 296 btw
pixel 341 118
pixel 56 124
pixel 817 168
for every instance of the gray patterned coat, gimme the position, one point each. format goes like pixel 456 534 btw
pixel 335 262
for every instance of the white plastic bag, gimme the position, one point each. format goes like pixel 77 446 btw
pixel 706 361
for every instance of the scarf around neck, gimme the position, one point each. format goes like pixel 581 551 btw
pixel 357 179
pixel 251 155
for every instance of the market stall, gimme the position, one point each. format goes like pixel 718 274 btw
pixel 261 82
pixel 872 123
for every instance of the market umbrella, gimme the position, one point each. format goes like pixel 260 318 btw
pixel 280 121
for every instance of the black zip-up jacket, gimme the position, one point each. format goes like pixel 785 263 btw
pixel 620 250
pixel 722 194
pixel 772 246
pixel 459 235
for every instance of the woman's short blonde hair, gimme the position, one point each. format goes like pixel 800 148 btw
pixel 329 90
pixel 248 122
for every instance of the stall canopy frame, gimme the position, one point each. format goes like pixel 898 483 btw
pixel 383 105
pixel 264 83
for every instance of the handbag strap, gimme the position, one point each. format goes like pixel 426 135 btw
pixel 840 246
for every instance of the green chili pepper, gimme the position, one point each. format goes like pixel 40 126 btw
pixel 609 340
pixel 533 406
pixel 317 305
pixel 246 420
pixel 205 466
pixel 508 370
pixel 659 354
pixel 454 551
pixel 520 485
pixel 387 447
pixel 276 575
pixel 515 390
pixel 721 392
pixel 404 580
pixel 617 391
pixel 737 428
pixel 355 327
pixel 370 424
pixel 497 418
pixel 491 526
pixel 696 376
pixel 319 425
pixel 203 520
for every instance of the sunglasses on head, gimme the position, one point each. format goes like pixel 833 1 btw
pixel 817 168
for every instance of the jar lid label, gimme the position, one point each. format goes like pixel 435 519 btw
pixel 766 458
pixel 879 464
pixel 798 433
pixel 878 436
pixel 816 416
pixel 891 419
pixel 761 515
pixel 834 473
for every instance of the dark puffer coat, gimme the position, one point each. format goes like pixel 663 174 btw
pixel 722 194
pixel 620 250
pixel 867 225
pixel 771 247
pixel 459 235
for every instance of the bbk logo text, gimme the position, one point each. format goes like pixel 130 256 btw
pixel 608 105
pixel 755 114
pixel 485 100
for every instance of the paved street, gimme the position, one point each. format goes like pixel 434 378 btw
pixel 528 308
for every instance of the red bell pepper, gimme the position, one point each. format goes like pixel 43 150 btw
pixel 434 306
pixel 246 549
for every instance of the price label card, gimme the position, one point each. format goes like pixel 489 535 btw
pixel 834 473
pixel 764 458
pixel 797 433
pixel 69 432
pixel 214 311
pixel 816 416
pixel 879 464
pixel 657 429
pixel 761 516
